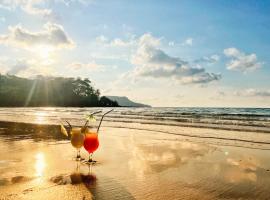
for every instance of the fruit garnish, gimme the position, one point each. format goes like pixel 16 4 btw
pixel 91 118
pixel 64 130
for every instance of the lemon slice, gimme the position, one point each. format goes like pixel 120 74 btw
pixel 63 130
pixel 91 118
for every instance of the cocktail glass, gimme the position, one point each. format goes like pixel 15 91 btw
pixel 91 144
pixel 77 141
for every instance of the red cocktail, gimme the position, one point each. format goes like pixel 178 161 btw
pixel 91 143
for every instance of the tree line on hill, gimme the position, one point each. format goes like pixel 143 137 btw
pixel 50 91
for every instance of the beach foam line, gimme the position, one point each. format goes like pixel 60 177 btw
pixel 230 127
pixel 195 136
pixel 53 132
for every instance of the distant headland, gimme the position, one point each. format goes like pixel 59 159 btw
pixel 125 102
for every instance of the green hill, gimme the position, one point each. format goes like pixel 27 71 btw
pixel 50 91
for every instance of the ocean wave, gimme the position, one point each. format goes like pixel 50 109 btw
pixel 238 119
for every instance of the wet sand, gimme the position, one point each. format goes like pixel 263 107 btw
pixel 37 163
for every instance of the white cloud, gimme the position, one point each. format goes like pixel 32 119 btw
pixel 69 2
pixel 52 35
pixel 208 59
pixel 188 42
pixel 32 7
pixel 27 68
pixel 121 43
pixel 171 43
pixel 240 61
pixel 3 65
pixel 21 65
pixel 150 61
pixel 116 49
pixel 2 19
pixel 101 39
pixel 253 92
pixel 93 66
pixel 117 42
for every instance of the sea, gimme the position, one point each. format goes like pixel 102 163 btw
pixel 244 119
pixel 242 125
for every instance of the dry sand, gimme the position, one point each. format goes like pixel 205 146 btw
pixel 131 164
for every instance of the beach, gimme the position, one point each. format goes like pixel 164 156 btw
pixel 37 162
pixel 134 100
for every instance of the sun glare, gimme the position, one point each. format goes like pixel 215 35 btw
pixel 39 164
pixel 40 117
pixel 44 52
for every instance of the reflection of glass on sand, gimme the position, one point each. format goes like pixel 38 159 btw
pixel 77 177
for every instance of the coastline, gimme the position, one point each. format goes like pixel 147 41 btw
pixel 232 137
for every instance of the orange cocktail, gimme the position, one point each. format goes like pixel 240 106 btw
pixel 77 140
pixel 91 143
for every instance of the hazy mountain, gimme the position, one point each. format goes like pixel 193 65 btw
pixel 124 101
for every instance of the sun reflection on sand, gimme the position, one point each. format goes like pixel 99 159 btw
pixel 39 164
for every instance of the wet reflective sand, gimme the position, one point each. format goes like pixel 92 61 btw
pixel 37 163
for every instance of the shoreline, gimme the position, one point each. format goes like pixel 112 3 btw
pixel 185 131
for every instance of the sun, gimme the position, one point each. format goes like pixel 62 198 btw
pixel 44 52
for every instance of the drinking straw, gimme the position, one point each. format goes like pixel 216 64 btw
pixel 70 127
pixel 102 119
pixel 87 121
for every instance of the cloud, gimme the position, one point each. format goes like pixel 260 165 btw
pixel 253 93
pixel 3 64
pixel 52 35
pixel 69 2
pixel 150 61
pixel 93 66
pixel 21 65
pixel 27 68
pixel 32 7
pixel 101 39
pixel 2 19
pixel 240 61
pixel 121 43
pixel 171 43
pixel 117 42
pixel 188 42
pixel 208 59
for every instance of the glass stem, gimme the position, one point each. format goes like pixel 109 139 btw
pixel 78 153
pixel 90 157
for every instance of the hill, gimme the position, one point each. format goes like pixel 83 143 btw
pixel 50 91
pixel 125 102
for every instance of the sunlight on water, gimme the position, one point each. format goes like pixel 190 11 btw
pixel 40 117
pixel 39 164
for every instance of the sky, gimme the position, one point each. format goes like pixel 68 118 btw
pixel 163 53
